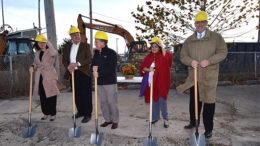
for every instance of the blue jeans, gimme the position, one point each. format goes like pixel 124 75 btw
pixel 160 104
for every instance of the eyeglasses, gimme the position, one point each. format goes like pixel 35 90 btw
pixel 154 46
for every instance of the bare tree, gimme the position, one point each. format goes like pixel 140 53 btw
pixel 173 20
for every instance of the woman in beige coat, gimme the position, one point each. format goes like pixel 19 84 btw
pixel 45 77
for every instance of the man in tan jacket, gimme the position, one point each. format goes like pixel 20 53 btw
pixel 205 50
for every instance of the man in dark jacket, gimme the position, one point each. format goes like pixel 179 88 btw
pixel 77 57
pixel 104 68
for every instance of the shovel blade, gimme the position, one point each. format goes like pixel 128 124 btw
pixel 200 141
pixel 96 138
pixel 74 132
pixel 29 132
pixel 150 141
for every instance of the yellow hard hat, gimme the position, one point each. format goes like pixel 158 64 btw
pixel 101 35
pixel 201 16
pixel 156 39
pixel 74 29
pixel 41 38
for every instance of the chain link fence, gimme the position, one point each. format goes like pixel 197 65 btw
pixel 14 75
pixel 238 66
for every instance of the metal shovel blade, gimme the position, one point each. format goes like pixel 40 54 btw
pixel 197 141
pixel 150 141
pixel 96 138
pixel 29 132
pixel 74 132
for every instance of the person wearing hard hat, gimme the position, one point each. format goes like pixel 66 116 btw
pixel 159 61
pixel 203 50
pixel 46 78
pixel 104 69
pixel 77 58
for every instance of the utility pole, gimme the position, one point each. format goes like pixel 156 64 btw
pixel 3 15
pixel 39 15
pixel 117 45
pixel 51 28
pixel 259 24
pixel 91 30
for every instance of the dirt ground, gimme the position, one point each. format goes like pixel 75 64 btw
pixel 236 121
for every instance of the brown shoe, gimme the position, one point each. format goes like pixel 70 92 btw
pixel 105 124
pixel 114 125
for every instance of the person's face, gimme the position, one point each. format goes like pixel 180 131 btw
pixel 155 48
pixel 75 38
pixel 99 44
pixel 201 26
pixel 42 45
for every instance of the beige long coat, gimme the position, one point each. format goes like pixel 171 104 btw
pixel 48 72
pixel 211 47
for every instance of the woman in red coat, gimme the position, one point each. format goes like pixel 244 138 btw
pixel 160 61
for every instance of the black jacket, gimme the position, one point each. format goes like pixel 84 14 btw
pixel 106 60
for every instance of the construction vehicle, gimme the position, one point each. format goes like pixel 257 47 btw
pixel 16 43
pixel 16 56
pixel 136 49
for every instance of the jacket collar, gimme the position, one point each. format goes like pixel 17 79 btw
pixel 206 37
pixel 103 49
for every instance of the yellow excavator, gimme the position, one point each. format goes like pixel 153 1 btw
pixel 137 50
pixel 110 28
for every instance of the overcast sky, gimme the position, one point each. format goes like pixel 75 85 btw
pixel 21 14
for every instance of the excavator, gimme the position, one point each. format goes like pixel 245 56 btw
pixel 136 49
pixel 18 42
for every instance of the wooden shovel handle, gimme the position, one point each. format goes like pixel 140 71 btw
pixel 73 92
pixel 30 94
pixel 151 96
pixel 196 93
pixel 96 99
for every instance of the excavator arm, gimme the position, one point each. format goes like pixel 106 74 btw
pixel 110 28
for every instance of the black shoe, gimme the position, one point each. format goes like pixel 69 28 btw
pixel 153 122
pixel 52 118
pixel 190 126
pixel 105 124
pixel 166 125
pixel 208 134
pixel 44 117
pixel 114 125
pixel 78 115
pixel 85 119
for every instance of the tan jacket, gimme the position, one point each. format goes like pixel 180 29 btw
pixel 211 47
pixel 48 72
pixel 84 57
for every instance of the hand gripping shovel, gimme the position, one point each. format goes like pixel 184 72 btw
pixel 196 139
pixel 30 131
pixel 150 141
pixel 96 138
pixel 75 131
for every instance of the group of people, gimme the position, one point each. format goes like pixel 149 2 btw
pixel 203 50
pixel 77 57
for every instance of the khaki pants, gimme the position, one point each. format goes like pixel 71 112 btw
pixel 107 95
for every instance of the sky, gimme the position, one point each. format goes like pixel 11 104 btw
pixel 21 14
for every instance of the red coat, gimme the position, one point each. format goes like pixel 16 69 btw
pixel 161 77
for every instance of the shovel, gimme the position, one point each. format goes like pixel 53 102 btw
pixel 30 131
pixel 150 141
pixel 196 139
pixel 96 138
pixel 75 131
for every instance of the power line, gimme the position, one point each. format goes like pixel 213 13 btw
pixel 113 18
